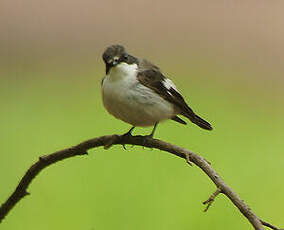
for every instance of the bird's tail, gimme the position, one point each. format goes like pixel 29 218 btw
pixel 198 121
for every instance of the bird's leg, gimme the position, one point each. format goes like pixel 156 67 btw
pixel 150 135
pixel 153 131
pixel 127 134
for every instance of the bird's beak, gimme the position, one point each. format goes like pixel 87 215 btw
pixel 113 62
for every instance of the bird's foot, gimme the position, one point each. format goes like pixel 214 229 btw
pixel 125 135
pixel 128 134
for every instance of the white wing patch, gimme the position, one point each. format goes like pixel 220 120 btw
pixel 169 84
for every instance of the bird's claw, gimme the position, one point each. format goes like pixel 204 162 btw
pixel 128 134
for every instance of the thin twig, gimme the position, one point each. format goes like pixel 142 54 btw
pixel 107 141
pixel 211 199
pixel 269 225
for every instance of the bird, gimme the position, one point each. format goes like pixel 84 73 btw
pixel 137 92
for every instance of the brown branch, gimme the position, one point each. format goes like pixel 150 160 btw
pixel 107 141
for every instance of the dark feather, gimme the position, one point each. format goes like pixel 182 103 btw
pixel 150 76
pixel 198 121
pixel 179 120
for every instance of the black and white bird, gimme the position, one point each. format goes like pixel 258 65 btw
pixel 136 92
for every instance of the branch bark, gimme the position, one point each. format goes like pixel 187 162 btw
pixel 107 141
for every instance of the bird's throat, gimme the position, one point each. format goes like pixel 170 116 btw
pixel 122 70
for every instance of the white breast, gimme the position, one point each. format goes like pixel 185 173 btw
pixel 127 99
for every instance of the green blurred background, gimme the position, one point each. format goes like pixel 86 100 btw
pixel 226 57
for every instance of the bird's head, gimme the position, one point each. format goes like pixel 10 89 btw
pixel 116 54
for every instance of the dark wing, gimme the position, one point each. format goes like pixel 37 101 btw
pixel 154 80
pixel 151 77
